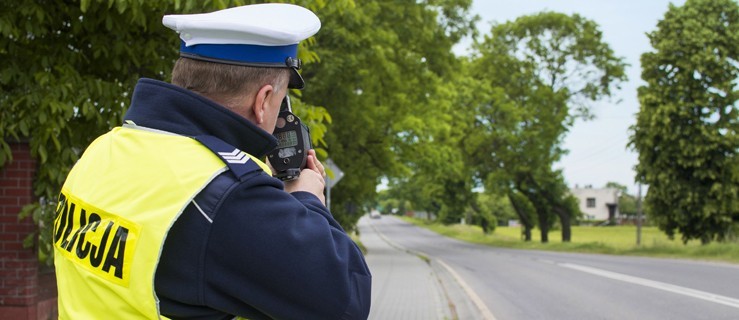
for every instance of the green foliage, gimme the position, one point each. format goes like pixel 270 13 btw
pixel 686 130
pixel 505 132
pixel 540 73
pixel 494 208
pixel 441 179
pixel 389 203
pixel 69 70
pixel 377 78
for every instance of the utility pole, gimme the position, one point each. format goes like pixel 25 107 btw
pixel 638 217
pixel 328 197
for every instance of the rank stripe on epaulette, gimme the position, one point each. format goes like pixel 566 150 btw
pixel 236 159
pixel 237 156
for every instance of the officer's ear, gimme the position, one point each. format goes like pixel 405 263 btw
pixel 261 103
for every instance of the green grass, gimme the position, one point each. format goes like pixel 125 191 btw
pixel 355 237
pixel 618 240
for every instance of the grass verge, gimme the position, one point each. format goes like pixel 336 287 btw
pixel 355 237
pixel 618 240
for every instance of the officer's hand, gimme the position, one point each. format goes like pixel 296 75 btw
pixel 311 178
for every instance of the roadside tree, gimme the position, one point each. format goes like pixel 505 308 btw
pixel 543 71
pixel 686 129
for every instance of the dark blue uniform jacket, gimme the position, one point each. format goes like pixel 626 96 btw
pixel 255 250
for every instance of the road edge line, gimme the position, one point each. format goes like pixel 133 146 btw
pixel 482 308
pixel 486 314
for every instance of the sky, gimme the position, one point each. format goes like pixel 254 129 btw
pixel 597 148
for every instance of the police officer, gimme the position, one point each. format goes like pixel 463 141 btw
pixel 173 214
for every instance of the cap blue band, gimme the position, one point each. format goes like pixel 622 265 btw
pixel 247 53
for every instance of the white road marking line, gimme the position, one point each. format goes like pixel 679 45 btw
pixel 728 301
pixel 485 312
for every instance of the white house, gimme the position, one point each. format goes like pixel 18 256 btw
pixel 597 203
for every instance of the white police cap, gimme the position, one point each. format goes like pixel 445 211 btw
pixel 260 35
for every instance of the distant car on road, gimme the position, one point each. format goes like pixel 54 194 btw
pixel 375 215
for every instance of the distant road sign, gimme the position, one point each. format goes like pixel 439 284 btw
pixel 333 173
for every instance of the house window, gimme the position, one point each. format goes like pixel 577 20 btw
pixel 590 202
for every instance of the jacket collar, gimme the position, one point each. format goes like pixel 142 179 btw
pixel 163 106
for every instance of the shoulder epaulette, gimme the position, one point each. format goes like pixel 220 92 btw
pixel 239 162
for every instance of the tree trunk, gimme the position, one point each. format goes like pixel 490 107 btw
pixel 525 221
pixel 544 226
pixel 561 211
pixel 484 223
pixel 541 212
pixel 564 219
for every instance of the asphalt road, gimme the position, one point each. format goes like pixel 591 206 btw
pixel 524 284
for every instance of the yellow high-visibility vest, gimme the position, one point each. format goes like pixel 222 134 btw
pixel 114 212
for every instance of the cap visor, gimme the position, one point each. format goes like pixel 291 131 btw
pixel 296 80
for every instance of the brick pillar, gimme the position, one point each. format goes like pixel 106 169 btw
pixel 19 266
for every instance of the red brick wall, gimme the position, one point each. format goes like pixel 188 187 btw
pixel 19 266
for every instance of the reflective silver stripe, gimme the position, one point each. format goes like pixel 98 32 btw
pixel 130 125
pixel 202 212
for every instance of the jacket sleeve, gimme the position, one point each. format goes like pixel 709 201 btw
pixel 283 255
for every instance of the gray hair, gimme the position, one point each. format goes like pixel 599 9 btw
pixel 225 83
